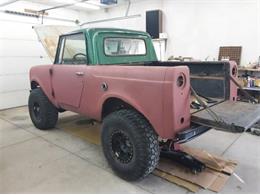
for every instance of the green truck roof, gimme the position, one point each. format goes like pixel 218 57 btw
pixel 96 36
pixel 93 31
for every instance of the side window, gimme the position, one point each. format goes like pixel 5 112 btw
pixel 73 49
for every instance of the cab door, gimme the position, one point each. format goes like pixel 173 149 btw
pixel 68 72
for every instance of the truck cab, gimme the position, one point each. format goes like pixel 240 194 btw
pixel 104 46
pixel 91 48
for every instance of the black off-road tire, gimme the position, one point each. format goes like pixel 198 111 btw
pixel 144 144
pixel 47 116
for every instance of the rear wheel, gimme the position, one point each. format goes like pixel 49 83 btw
pixel 130 144
pixel 43 113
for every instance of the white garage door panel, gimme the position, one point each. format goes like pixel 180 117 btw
pixel 18 65
pixel 14 83
pixel 13 99
pixel 21 48
pixel 16 30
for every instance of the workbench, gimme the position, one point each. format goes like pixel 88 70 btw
pixel 254 91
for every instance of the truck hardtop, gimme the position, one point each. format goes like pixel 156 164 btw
pixel 145 105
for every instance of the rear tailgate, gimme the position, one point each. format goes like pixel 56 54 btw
pixel 235 116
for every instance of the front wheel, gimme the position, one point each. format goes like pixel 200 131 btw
pixel 130 144
pixel 43 113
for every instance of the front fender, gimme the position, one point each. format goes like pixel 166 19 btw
pixel 41 75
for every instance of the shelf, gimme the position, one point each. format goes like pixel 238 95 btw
pixel 249 69
pixel 252 88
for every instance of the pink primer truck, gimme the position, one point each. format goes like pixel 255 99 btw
pixel 146 106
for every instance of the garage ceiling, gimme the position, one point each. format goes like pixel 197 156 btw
pixel 85 5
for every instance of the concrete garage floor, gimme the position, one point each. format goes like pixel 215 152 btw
pixel 34 161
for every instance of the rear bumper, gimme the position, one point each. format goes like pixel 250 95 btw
pixel 191 133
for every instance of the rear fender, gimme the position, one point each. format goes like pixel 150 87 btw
pixel 176 98
pixel 167 109
pixel 128 100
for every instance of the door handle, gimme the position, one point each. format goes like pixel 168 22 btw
pixel 79 73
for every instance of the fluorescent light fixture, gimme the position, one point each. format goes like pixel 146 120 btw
pixel 87 6
pixel 66 1
pixel 93 2
pixel 79 4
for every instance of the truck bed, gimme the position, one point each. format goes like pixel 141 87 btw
pixel 210 79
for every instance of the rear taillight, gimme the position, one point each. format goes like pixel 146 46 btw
pixel 234 71
pixel 181 80
pixel 233 87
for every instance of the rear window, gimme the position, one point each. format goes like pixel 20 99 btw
pixel 124 47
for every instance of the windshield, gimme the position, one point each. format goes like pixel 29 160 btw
pixel 124 47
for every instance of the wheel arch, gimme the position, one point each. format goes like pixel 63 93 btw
pixel 46 88
pixel 34 84
pixel 112 104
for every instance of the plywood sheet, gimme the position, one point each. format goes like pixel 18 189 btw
pixel 204 179
pixel 212 161
pixel 173 179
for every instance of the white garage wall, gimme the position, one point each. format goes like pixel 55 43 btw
pixel 197 27
pixel 137 7
pixel 20 50
pixel 137 23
